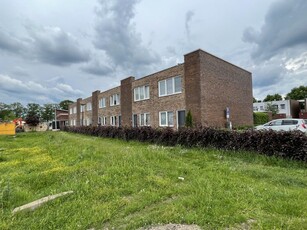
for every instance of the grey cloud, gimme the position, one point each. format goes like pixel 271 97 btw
pixel 54 46
pixel 47 44
pixel 27 91
pixel 284 27
pixel 116 35
pixel 9 43
pixel 188 17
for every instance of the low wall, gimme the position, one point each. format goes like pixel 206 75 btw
pixel 41 127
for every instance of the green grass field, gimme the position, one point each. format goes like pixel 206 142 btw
pixel 128 185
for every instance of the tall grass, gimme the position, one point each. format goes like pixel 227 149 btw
pixel 128 185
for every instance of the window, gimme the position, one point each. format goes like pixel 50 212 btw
pixel 75 109
pixel 102 120
pixel 70 111
pixel 102 103
pixel 141 93
pixel 114 100
pixel 81 108
pixel 261 107
pixel 170 86
pixel 275 106
pixel 144 119
pixel 166 118
pixel 255 108
pixel 282 106
pixel 113 120
pixel 89 106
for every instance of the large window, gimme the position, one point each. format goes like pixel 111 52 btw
pixel 114 100
pixel 141 93
pixel 70 111
pixel 166 118
pixel 102 102
pixel 144 119
pixel 89 106
pixel 170 86
pixel 113 121
pixel 282 106
pixel 75 109
pixel 81 108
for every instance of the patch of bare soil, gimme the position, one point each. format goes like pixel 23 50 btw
pixel 172 227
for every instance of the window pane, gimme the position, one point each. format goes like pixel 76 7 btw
pixel 142 93
pixel 147 119
pixel 169 85
pixel 163 118
pixel 162 89
pixel 136 94
pixel 177 84
pixel 118 99
pixel 170 118
pixel 142 119
pixel 146 92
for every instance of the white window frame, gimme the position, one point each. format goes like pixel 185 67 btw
pixel 70 111
pixel 115 99
pixel 89 106
pixel 143 119
pixel 173 88
pixel 102 103
pixel 75 110
pixel 113 121
pixel 141 91
pixel 167 113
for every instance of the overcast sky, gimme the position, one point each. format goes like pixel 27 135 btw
pixel 52 50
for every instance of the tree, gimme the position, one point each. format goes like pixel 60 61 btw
pixel 18 109
pixel 298 93
pixel 48 111
pixel 34 114
pixel 275 97
pixel 271 108
pixel 64 104
pixel 254 100
pixel 189 120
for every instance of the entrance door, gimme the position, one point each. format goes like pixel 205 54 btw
pixel 181 118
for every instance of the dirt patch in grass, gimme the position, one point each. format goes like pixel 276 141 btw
pixel 172 227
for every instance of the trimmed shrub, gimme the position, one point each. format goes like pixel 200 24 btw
pixel 260 118
pixel 290 145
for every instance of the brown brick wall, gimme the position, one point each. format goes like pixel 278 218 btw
pixel 95 107
pixel 126 101
pixel 224 85
pixel 86 115
pixel 156 104
pixel 192 85
pixel 109 111
pixel 209 85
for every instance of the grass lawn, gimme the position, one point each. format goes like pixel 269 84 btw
pixel 128 185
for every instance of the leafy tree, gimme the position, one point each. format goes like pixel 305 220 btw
pixel 34 114
pixel 254 100
pixel 48 111
pixel 5 112
pixel 271 108
pixel 298 93
pixel 189 120
pixel 64 104
pixel 18 109
pixel 275 97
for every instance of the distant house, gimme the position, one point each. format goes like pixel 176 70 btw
pixel 286 108
pixel 204 84
pixel 61 119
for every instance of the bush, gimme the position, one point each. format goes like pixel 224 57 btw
pixel 260 118
pixel 291 145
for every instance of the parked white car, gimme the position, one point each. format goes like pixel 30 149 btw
pixel 286 124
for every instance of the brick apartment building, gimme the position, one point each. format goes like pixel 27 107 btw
pixel 204 84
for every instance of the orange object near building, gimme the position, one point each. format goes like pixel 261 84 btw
pixel 7 129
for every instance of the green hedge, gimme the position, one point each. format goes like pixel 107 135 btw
pixel 260 118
